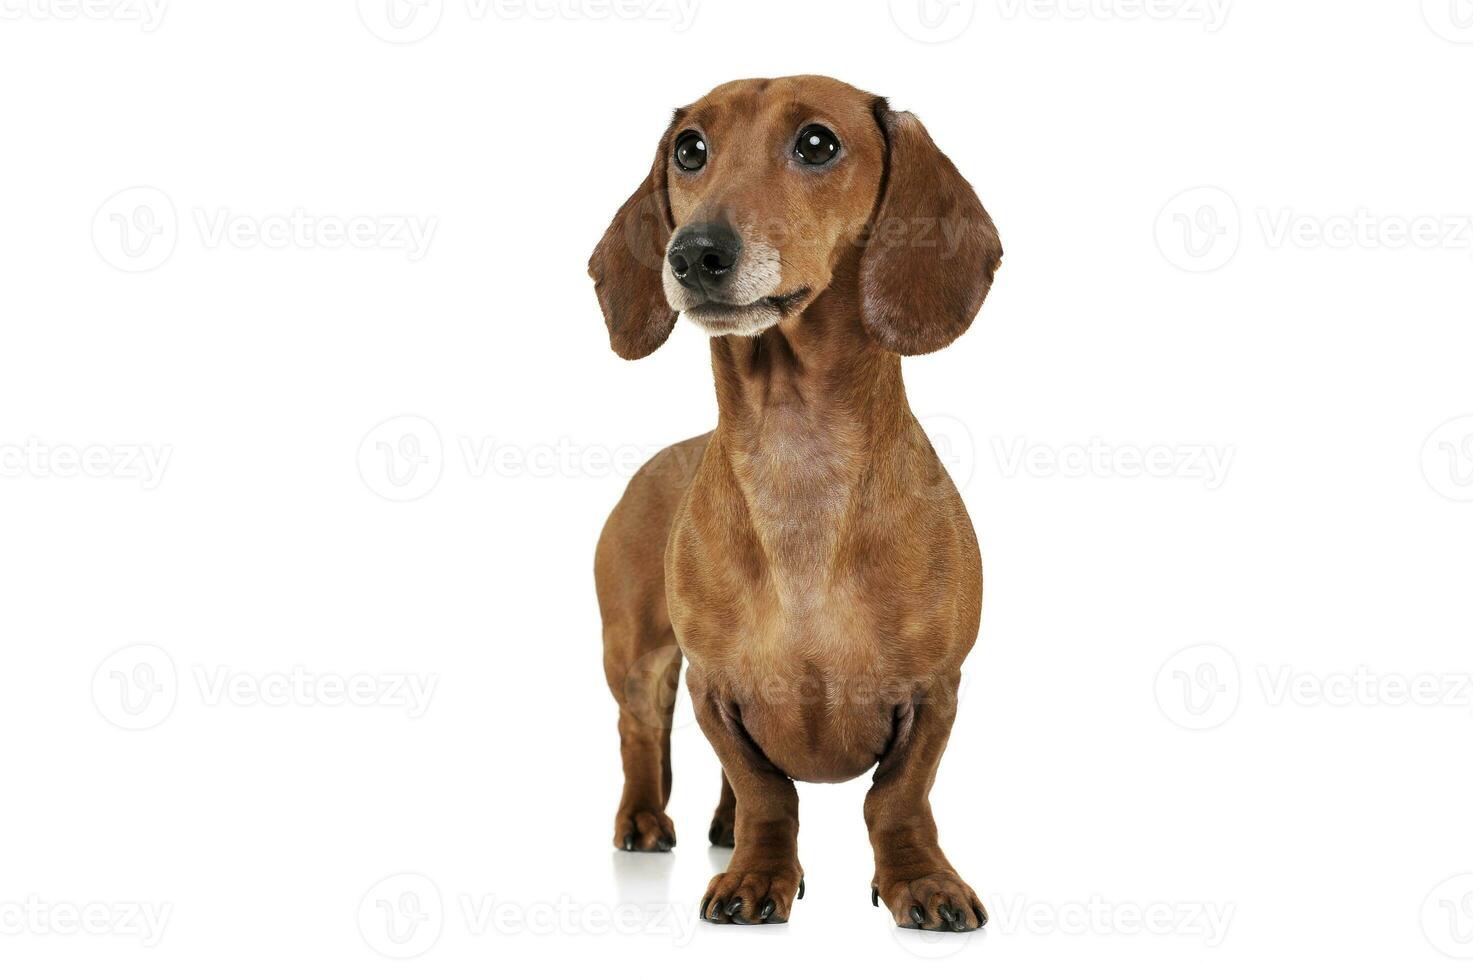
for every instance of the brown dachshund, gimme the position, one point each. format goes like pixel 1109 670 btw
pixel 810 557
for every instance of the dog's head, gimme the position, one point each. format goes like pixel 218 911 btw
pixel 762 189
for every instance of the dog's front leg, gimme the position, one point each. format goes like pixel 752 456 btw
pixel 912 876
pixel 763 877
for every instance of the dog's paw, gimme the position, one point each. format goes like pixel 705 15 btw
pixel 752 897
pixel 939 901
pixel 643 830
pixel 723 829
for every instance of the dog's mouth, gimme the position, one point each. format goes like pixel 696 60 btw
pixel 714 314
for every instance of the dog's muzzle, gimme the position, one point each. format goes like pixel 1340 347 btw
pixel 724 283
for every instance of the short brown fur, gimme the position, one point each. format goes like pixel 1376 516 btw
pixel 810 558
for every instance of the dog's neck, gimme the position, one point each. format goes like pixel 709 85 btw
pixel 814 431
pixel 816 377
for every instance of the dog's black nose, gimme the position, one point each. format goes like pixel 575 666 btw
pixel 704 254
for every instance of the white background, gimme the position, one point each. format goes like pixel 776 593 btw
pixel 1206 213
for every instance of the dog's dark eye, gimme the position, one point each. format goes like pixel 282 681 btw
pixel 816 145
pixel 690 150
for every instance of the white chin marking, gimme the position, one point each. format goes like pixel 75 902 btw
pixel 743 321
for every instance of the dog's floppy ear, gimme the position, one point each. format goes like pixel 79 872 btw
pixel 931 250
pixel 627 265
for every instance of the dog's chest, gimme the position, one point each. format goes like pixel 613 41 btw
pixel 820 726
pixel 821 708
pixel 816 598
pixel 815 688
pixel 798 491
